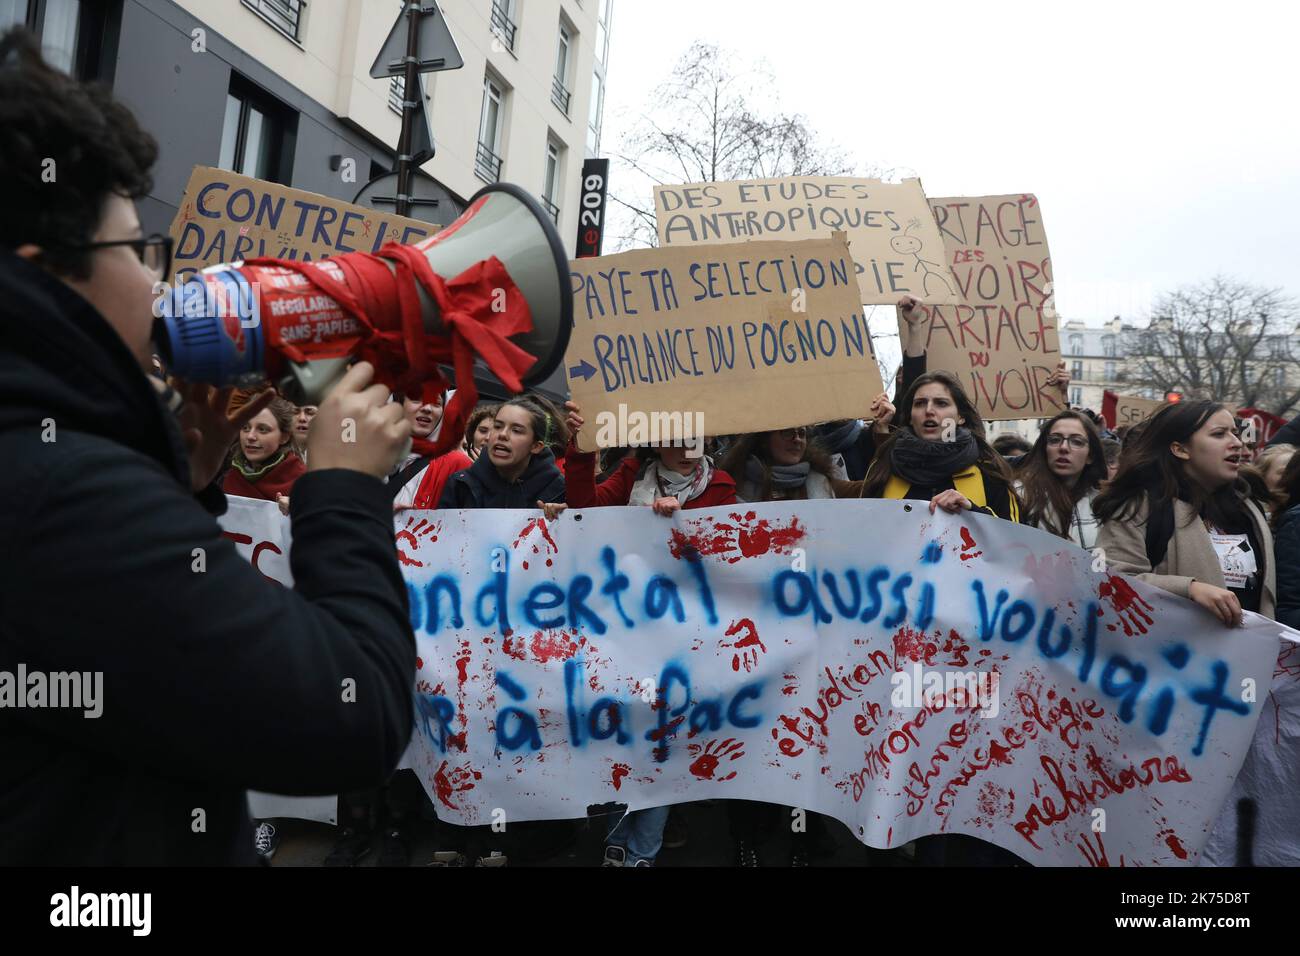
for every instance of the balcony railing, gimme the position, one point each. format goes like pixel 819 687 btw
pixel 487 164
pixel 396 93
pixel 560 96
pixel 502 26
pixel 284 15
pixel 552 209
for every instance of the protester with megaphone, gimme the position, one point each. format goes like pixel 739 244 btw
pixel 214 679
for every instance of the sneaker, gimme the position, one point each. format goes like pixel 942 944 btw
pixel 496 859
pixel 265 841
pixel 644 863
pixel 798 856
pixel 393 849
pixel 674 831
pixel 615 856
pixel 352 847
pixel 746 853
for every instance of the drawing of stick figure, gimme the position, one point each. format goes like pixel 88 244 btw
pixel 909 245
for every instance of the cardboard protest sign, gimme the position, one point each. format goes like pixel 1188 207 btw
pixel 716 340
pixel 224 217
pixel 977 676
pixel 1001 338
pixel 895 245
pixel 1120 410
pixel 1130 411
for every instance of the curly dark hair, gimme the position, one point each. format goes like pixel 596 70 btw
pixel 94 143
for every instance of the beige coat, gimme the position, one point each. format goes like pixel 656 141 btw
pixel 1191 556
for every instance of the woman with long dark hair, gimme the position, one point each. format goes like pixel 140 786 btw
pixel 782 465
pixel 940 455
pixel 1060 475
pixel 1179 514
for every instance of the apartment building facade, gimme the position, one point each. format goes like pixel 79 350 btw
pixel 280 90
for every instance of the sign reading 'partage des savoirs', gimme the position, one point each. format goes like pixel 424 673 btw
pixel 892 236
pixel 225 217
pixel 743 337
pixel 1001 338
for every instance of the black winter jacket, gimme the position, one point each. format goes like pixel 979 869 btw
pixel 214 681
pixel 481 485
pixel 1286 552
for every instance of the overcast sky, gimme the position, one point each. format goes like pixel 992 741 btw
pixel 1162 139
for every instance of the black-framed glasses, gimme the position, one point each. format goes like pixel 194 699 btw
pixel 155 251
pixel 1076 441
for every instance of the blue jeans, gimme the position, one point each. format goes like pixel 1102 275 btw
pixel 641 833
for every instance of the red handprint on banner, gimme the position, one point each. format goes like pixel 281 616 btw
pixel 413 532
pixel 708 756
pixel 748 648
pixel 458 781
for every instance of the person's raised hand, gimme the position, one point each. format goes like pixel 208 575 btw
pixel 357 428
pixel 916 325
pixel 574 420
pixel 912 310
pixel 1220 602
pixel 882 413
pixel 1060 379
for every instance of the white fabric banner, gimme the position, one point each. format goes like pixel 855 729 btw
pixel 907 674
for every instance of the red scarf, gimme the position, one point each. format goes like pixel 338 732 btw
pixel 434 478
pixel 275 481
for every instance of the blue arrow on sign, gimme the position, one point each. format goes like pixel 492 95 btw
pixel 584 371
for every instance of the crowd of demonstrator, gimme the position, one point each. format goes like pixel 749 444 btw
pixel 217 682
pixel 1180 500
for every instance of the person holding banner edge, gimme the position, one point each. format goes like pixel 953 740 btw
pixel 1180 516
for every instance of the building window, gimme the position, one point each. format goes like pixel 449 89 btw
pixel 284 15
pixel 1108 345
pixel 487 157
pixel 257 134
pixel 594 114
pixel 560 95
pixel 1110 371
pixel 1076 371
pixel 1076 344
pixel 78 38
pixel 503 23
pixel 1279 376
pixel 602 31
pixel 551 181
pixel 1076 395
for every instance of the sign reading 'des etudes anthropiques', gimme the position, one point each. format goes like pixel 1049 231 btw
pixel 891 233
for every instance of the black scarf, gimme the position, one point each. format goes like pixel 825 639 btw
pixel 930 463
